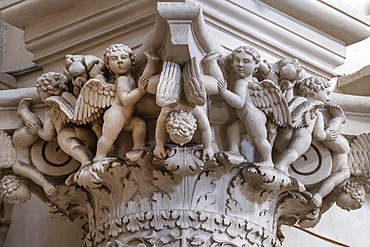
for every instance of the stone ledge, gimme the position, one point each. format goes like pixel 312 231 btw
pixel 357 83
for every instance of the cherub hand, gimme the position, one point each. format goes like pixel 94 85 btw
pixel 208 154
pixel 143 83
pixel 222 85
pixel 160 152
pixel 32 128
pixel 50 189
pixel 331 135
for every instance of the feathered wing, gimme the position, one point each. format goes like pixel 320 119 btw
pixel 303 111
pixel 63 109
pixel 359 160
pixel 267 97
pixel 169 87
pixel 95 96
pixel 194 89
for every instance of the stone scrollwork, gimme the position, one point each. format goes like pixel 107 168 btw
pixel 131 137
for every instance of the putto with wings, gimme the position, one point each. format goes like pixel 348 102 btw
pixel 181 90
pixel 254 101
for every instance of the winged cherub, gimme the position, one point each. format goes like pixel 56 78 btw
pixel 74 140
pixel 120 59
pixel 253 101
pixel 179 98
pixel 324 126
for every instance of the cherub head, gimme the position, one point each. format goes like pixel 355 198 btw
pixel 13 190
pixel 181 126
pixel 316 88
pixel 51 84
pixel 119 59
pixel 351 196
pixel 245 61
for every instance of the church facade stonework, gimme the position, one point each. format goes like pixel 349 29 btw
pixel 180 141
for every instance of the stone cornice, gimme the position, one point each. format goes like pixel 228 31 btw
pixel 277 28
pixel 329 16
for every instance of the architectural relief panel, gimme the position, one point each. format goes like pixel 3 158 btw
pixel 182 142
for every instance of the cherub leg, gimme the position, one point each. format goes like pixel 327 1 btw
pixel 22 142
pixel 205 130
pixel 254 122
pixel 114 121
pixel 71 145
pixel 298 145
pixel 160 133
pixel 340 170
pixel 138 128
pixel 234 136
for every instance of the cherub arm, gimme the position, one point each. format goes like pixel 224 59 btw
pixel 160 133
pixel 318 132
pixel 36 176
pixel 127 94
pixel 236 100
pixel 205 130
pixel 46 132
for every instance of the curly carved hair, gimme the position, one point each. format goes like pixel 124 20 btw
pixel 8 184
pixel 247 49
pixel 53 83
pixel 119 47
pixel 181 124
pixel 356 191
pixel 309 86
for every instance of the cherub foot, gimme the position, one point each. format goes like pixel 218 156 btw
pixel 235 158
pixel 317 200
pixel 284 170
pixel 137 153
pixel 160 152
pixel 104 159
pixel 24 105
pixel 264 163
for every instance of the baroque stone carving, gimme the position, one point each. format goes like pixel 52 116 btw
pixel 147 165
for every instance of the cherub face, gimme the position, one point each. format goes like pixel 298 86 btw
pixel 43 95
pixel 322 96
pixel 119 62
pixel 20 195
pixel 243 64
pixel 345 201
pixel 181 140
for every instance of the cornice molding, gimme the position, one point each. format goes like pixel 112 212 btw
pixel 277 28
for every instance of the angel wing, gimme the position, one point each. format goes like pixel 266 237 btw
pixel 194 89
pixel 359 160
pixel 302 111
pixel 169 87
pixel 95 96
pixel 267 97
pixel 63 108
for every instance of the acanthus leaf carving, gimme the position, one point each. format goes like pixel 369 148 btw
pixel 148 173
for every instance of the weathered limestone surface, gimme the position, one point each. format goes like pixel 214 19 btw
pixel 182 137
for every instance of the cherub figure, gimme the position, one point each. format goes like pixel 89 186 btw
pixel 323 124
pixel 75 141
pixel 13 190
pixel 253 101
pixel 181 108
pixel 120 59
